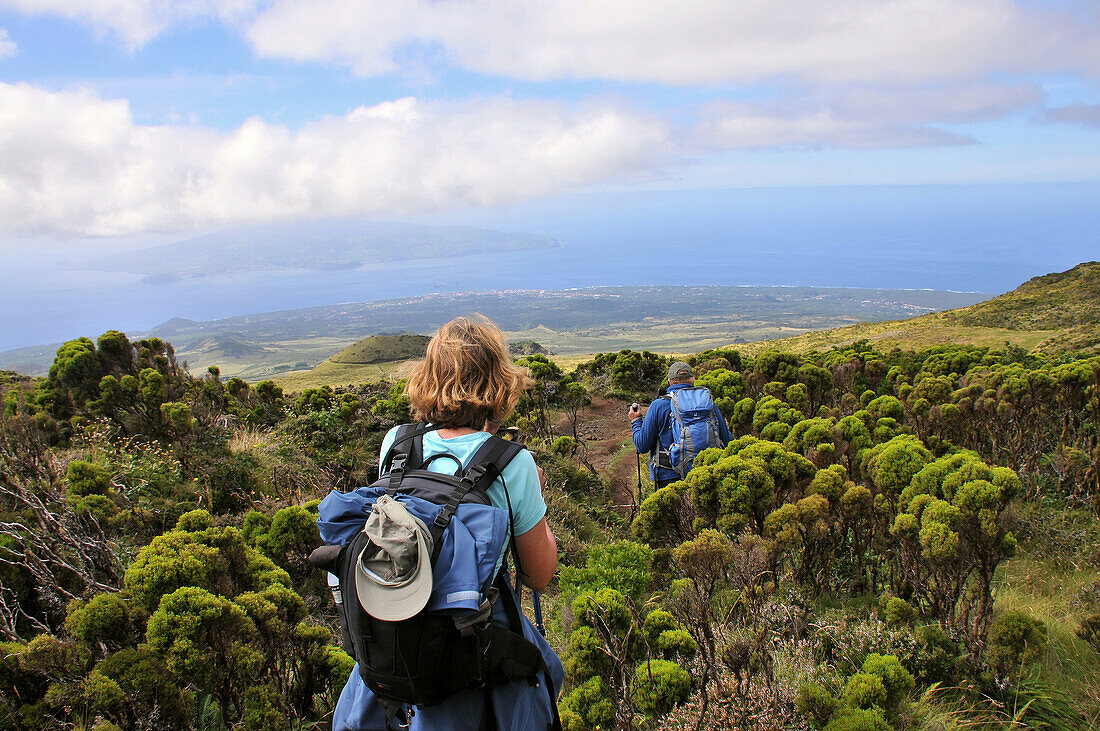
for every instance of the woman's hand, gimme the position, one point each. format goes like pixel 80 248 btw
pixel 542 478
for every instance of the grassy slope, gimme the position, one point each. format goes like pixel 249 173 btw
pixel 1055 577
pixel 276 358
pixel 916 333
pixel 339 374
pixel 383 349
pixel 1053 301
pixel 1052 313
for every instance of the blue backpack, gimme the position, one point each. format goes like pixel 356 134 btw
pixel 457 642
pixel 694 423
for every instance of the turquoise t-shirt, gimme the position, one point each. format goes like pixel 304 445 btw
pixel 520 476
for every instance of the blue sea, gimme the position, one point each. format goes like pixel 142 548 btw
pixel 983 238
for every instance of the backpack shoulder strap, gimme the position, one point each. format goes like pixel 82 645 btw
pixel 522 655
pixel 486 465
pixel 494 455
pixel 405 453
pixel 674 404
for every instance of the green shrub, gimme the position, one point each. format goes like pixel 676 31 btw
pixel 85 478
pixel 195 520
pixel 293 530
pixel 899 611
pixel 564 446
pixel 674 642
pixel 1089 631
pixel 658 519
pixel 623 566
pixel 586 657
pixel 103 694
pixel 816 703
pixel 606 607
pixel 1016 640
pixel 937 656
pixel 656 622
pixel 105 618
pixel 589 704
pixel 864 690
pixel 203 637
pixel 659 685
pixel 90 491
pixel 264 710
pixel 148 684
pixel 895 677
pixel 216 559
pixel 859 719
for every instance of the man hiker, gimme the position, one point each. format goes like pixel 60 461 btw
pixel 677 426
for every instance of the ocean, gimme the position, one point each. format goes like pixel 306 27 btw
pixel 983 238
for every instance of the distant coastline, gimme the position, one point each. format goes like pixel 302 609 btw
pixel 586 319
pixel 963 238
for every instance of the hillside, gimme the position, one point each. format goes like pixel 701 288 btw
pixel 1062 300
pixel 383 349
pixel 1053 313
pixel 152 548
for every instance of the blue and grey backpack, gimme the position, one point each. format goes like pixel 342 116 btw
pixel 694 423
pixel 447 647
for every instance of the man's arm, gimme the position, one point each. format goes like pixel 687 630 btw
pixel 647 429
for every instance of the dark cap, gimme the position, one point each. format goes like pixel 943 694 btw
pixel 679 369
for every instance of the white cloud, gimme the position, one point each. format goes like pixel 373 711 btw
pixel 1085 115
pixel 137 22
pixel 752 126
pixel 666 41
pixel 71 162
pixel 942 103
pixel 702 42
pixel 862 117
pixel 7 45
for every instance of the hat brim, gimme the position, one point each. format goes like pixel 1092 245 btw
pixel 395 601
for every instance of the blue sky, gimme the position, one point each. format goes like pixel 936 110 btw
pixel 140 118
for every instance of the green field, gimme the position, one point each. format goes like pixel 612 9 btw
pixel 1064 321
pixel 572 322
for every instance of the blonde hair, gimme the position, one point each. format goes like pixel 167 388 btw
pixel 467 377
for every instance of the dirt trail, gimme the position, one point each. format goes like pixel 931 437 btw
pixel 605 431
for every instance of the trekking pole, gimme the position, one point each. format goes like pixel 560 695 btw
pixel 536 600
pixel 638 496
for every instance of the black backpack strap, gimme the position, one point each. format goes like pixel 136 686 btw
pixel 657 458
pixel 513 654
pixel 486 465
pixel 405 453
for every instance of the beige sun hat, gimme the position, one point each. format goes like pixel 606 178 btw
pixel 393 574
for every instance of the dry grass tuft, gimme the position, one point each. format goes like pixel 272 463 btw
pixel 246 439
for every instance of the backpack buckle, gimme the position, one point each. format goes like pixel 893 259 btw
pixel 474 473
pixel 466 624
pixel 397 472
